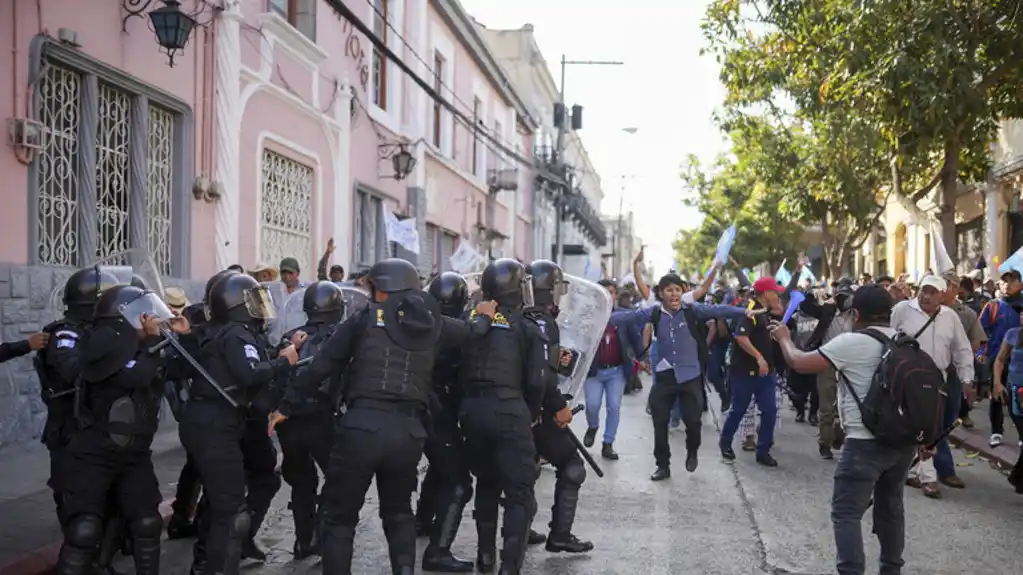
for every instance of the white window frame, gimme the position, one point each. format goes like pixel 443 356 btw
pixel 295 153
pixel 441 43
pixel 391 117
pixel 362 256
pixel 479 91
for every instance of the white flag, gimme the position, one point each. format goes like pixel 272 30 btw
pixel 465 259
pixel 942 263
pixel 402 232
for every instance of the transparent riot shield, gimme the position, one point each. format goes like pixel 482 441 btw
pixel 279 293
pixel 356 299
pixel 122 265
pixel 475 289
pixel 292 314
pixel 584 312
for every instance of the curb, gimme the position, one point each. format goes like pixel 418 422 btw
pixel 43 561
pixel 1002 457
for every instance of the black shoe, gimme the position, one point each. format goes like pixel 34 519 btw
pixel 661 474
pixel 252 551
pixel 728 453
pixel 691 461
pixel 766 460
pixel 568 544
pixel 303 550
pixel 179 527
pixel 813 420
pixel 591 434
pixel 800 418
pixel 825 452
pixel 441 560
pixel 608 452
pixel 536 538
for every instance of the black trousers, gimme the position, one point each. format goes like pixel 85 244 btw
pixel 554 445
pixel 372 443
pixel 690 395
pixel 236 460
pixel 804 392
pixel 448 479
pixel 305 441
pixel 187 491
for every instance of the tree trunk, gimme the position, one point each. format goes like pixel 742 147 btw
pixel 948 193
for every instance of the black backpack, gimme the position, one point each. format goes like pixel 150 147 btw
pixel 905 405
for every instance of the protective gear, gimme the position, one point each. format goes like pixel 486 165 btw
pixel 437 556
pixel 323 303
pixel 146 532
pixel 240 298
pixel 139 282
pixel 82 536
pixel 548 282
pixel 505 282
pixel 82 291
pixel 394 275
pixel 112 301
pixel 452 293
pixel 486 545
pixel 237 534
pixel 584 314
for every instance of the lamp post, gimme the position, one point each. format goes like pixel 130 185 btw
pixel 560 142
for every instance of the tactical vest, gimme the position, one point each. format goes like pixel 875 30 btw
pixel 493 363
pixel 318 400
pixel 382 371
pixel 57 392
pixel 129 414
pixel 212 358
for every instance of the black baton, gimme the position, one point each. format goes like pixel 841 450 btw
pixel 169 339
pixel 579 445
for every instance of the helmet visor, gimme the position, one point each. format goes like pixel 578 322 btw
pixel 559 291
pixel 148 304
pixel 122 273
pixel 259 303
pixel 527 292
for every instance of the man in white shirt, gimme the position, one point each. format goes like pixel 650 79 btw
pixel 865 467
pixel 940 333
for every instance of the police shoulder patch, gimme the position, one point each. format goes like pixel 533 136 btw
pixel 251 352
pixel 500 321
pixel 380 317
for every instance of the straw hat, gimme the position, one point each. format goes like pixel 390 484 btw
pixel 264 267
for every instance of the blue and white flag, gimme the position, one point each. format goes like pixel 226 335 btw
pixel 592 272
pixel 807 276
pixel 783 276
pixel 725 245
pixel 1013 262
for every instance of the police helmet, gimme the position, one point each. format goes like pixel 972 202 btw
pixel 504 281
pixel 239 298
pixel 137 281
pixel 113 299
pixel 83 289
pixel 213 281
pixel 323 302
pixel 452 293
pixel 548 281
pixel 394 275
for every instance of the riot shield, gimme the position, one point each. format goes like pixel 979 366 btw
pixel 584 312
pixel 356 299
pixel 142 265
pixel 279 293
pixel 475 289
pixel 292 315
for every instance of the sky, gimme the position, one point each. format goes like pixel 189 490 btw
pixel 665 89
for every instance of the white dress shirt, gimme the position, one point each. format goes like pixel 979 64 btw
pixel 944 340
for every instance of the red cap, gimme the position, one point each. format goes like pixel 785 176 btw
pixel 766 284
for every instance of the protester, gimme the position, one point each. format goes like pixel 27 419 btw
pixel 1008 386
pixel 997 318
pixel 336 273
pixel 264 272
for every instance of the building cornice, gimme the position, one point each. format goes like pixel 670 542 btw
pixel 464 27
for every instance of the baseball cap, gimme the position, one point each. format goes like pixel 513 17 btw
pixel 934 282
pixel 289 265
pixel 766 284
pixel 873 302
pixel 1012 275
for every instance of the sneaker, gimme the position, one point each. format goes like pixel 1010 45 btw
pixel 996 440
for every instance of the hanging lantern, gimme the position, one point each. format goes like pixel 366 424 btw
pixel 403 162
pixel 173 27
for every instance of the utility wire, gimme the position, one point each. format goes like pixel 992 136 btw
pixel 346 13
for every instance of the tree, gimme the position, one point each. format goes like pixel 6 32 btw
pixel 932 78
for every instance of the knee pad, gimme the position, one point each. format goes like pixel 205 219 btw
pixel 84 531
pixel 148 527
pixel 240 525
pixel 574 472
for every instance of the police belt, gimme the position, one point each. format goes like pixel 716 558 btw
pixel 494 392
pixel 409 409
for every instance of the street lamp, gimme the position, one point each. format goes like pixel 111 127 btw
pixel 173 27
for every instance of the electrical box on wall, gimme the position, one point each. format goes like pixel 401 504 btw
pixel 25 134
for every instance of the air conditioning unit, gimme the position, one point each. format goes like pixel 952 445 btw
pixel 504 179
pixel 25 133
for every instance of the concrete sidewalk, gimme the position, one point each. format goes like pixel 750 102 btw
pixel 30 537
pixel 977 439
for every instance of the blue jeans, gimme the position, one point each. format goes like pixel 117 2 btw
pixel 944 465
pixel 867 468
pixel 746 388
pixel 610 383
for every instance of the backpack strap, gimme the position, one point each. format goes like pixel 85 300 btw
pixel 930 320
pixel 881 338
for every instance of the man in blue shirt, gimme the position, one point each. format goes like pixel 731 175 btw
pixel 682 357
pixel 997 317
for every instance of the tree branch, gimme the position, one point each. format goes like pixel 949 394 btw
pixel 922 192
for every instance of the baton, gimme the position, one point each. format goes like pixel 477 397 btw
pixel 169 339
pixel 580 448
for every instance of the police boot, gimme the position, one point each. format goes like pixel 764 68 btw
pixel 237 535
pixel 179 527
pixel 535 537
pixel 401 542
pixel 486 546
pixel 516 537
pixel 146 533
pixel 426 505
pixel 336 543
pixel 561 539
pixel 75 561
pixel 437 556
pixel 306 538
pixel 113 536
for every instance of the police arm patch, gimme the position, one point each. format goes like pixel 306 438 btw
pixel 251 352
pixel 66 339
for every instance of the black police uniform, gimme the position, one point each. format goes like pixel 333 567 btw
pixel 447 487
pixel 305 436
pixel 503 377
pixel 118 414
pixel 388 351
pixel 552 441
pixel 231 451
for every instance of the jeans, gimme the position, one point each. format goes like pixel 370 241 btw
pixel 944 465
pixel 610 383
pixel 746 388
pixel 867 468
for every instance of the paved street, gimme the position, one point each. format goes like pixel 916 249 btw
pixel 728 519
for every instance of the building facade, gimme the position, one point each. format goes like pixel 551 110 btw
pixel 623 244
pixel 278 127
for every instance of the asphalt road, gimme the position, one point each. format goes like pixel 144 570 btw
pixel 726 518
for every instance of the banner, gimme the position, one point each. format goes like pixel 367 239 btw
pixel 725 245
pixel 402 232
pixel 942 263
pixel 1013 262
pixel 465 259
pixel 783 276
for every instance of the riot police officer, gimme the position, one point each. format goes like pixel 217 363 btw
pixel 232 455
pixel 447 487
pixel 551 435
pixel 503 377
pixel 388 350
pixel 118 406
pixel 305 436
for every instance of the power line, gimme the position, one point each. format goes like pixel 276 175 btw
pixel 346 13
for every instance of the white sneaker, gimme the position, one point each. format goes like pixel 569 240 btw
pixel 996 440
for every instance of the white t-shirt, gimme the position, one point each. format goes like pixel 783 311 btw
pixel 856 355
